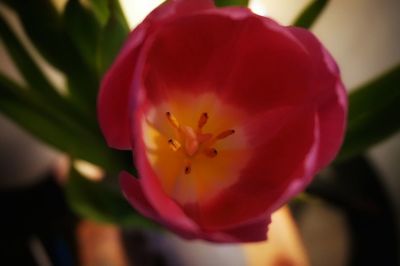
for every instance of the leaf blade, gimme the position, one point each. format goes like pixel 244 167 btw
pixel 86 38
pixel 374 114
pixel 221 3
pixel 310 14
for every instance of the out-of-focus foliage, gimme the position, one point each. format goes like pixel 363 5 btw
pixel 231 2
pixel 101 202
pixel 81 42
pixel 310 14
pixel 374 113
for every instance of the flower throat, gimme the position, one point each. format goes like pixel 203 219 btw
pixel 193 142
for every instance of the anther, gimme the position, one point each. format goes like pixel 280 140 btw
pixel 225 134
pixel 188 169
pixel 203 120
pixel 174 145
pixel 211 152
pixel 172 120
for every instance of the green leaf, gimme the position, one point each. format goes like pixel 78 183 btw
pixel 102 203
pixel 231 2
pixel 112 37
pixel 374 114
pixel 57 129
pixel 84 30
pixel 310 14
pixel 100 9
pixel 33 75
pixel 27 67
pixel 46 29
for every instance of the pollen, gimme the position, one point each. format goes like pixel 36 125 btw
pixel 203 120
pixel 172 120
pixel 174 144
pixel 188 169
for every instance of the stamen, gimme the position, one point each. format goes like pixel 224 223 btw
pixel 174 145
pixel 188 169
pixel 172 120
pixel 211 152
pixel 225 134
pixel 203 120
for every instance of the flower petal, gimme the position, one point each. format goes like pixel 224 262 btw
pixel 113 103
pixel 176 8
pixel 330 95
pixel 255 231
pixel 266 177
pixel 255 78
pixel 115 91
pixel 134 193
pixel 251 232
pixel 170 212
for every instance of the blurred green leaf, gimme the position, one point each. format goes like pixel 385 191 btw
pixel 84 30
pixel 57 129
pixel 374 114
pixel 310 14
pixel 231 2
pixel 28 68
pixel 112 37
pixel 33 75
pixel 46 29
pixel 100 9
pixel 101 202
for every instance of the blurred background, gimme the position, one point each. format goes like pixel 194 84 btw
pixel 52 215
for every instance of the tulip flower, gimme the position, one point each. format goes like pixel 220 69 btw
pixel 228 114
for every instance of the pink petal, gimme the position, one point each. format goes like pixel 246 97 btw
pixel 246 73
pixel 251 232
pixel 169 211
pixel 255 231
pixel 115 91
pixel 113 99
pixel 133 192
pixel 304 173
pixel 176 8
pixel 330 94
pixel 269 173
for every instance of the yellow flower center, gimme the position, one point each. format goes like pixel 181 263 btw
pixel 194 141
pixel 196 145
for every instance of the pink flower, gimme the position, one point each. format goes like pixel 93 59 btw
pixel 227 113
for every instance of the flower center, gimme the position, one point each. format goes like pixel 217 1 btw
pixel 192 142
pixel 196 145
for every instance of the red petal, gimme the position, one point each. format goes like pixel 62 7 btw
pixel 268 175
pixel 134 193
pixel 330 95
pixel 169 211
pixel 176 8
pixel 251 232
pixel 113 99
pixel 114 95
pixel 225 60
pixel 255 231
